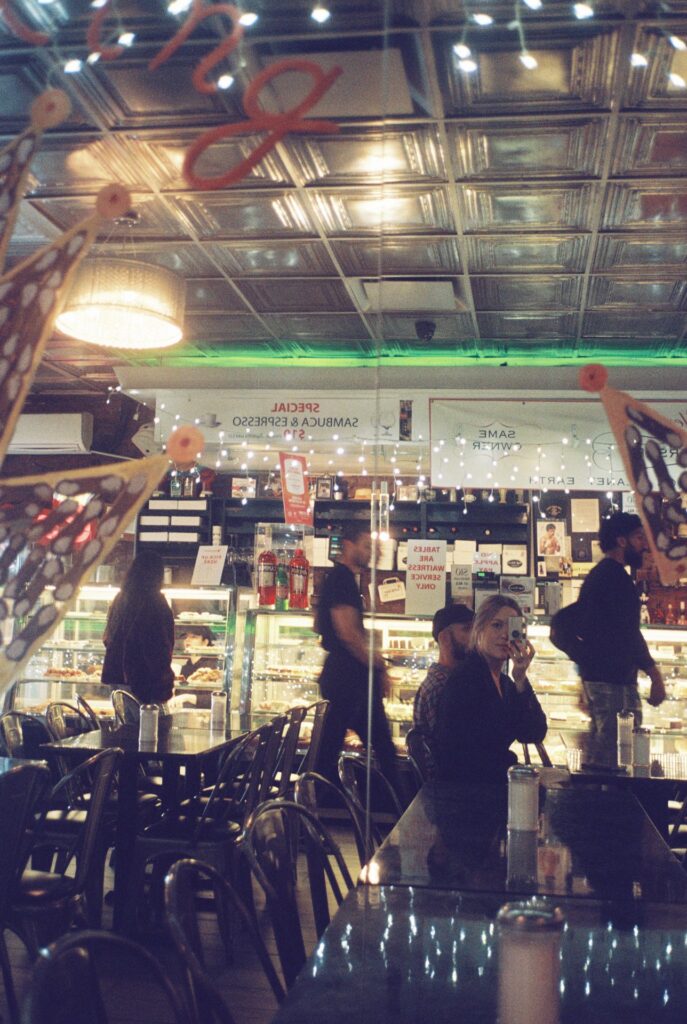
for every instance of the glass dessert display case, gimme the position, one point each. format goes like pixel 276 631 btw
pixel 282 658
pixel 70 663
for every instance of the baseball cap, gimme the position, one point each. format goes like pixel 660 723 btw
pixel 447 616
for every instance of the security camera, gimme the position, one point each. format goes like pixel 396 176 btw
pixel 425 329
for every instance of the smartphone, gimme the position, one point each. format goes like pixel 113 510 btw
pixel 517 629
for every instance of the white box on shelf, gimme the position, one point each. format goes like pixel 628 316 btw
pixel 184 536
pixel 153 520
pixel 186 521
pixel 514 560
pixel 154 536
pixel 193 505
pixel 386 550
pixel 402 555
pixel 163 504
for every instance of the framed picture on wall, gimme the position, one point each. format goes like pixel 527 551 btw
pixel 550 537
pixel 324 487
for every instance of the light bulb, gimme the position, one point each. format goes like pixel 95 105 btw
pixel 73 66
pixel 638 60
pixel 528 60
pixel 677 43
pixel 468 66
pixel 676 79
pixel 225 81
pixel 483 19
pixel 126 38
pixel 320 14
pixel 248 19
pixel 534 5
pixel 583 11
pixel 462 51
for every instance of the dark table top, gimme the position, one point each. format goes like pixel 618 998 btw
pixel 174 742
pixel 593 842
pixel 403 955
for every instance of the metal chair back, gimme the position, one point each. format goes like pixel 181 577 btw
pixel 186 877
pixel 273 834
pixel 313 791
pixel 72 982
pixel 126 708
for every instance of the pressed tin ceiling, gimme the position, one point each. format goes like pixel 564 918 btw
pixel 545 208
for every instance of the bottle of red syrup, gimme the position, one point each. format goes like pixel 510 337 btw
pixel 299 570
pixel 267 578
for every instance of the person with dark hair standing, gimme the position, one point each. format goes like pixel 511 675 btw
pixel 613 648
pixel 482 710
pixel 139 634
pixel 345 674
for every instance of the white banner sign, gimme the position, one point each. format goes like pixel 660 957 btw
pixel 564 445
pixel 425 576
pixel 293 415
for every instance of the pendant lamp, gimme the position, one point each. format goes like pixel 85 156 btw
pixel 124 304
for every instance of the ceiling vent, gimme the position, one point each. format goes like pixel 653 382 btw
pixel 52 434
pixel 392 295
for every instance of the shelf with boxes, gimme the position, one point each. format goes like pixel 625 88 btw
pixel 174 521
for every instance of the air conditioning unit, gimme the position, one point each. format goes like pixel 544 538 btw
pixel 52 433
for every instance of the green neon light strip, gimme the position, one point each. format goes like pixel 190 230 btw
pixel 321 355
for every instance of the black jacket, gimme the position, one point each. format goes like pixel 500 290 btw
pixel 613 647
pixel 476 726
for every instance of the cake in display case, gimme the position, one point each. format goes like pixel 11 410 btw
pixel 70 663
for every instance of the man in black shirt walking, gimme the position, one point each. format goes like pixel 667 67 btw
pixel 614 648
pixel 345 674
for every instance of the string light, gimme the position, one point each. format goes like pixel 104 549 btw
pixel 583 11
pixel 483 19
pixel 248 18
pixel 320 14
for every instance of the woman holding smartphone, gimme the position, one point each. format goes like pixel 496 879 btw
pixel 483 710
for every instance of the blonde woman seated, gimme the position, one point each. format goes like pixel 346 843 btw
pixel 483 710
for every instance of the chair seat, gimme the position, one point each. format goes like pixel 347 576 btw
pixel 182 826
pixel 37 886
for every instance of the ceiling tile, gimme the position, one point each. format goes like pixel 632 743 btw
pixel 628 325
pixel 187 258
pixel 527 253
pixel 227 214
pixel 507 150
pixel 651 86
pixel 390 208
pixel 212 295
pixel 646 205
pixel 574 72
pixel 640 251
pixel 155 218
pixel 200 331
pixel 527 325
pixel 397 256
pixel 299 296
pixel 296 259
pixel 164 153
pixel 528 206
pixel 454 327
pixel 317 328
pixel 352 157
pixel 651 145
pixel 497 293
pixel 647 295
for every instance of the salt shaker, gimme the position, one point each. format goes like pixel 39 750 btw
pixel 626 721
pixel 641 747
pixel 523 798
pixel 521 860
pixel 529 936
pixel 218 711
pixel 148 721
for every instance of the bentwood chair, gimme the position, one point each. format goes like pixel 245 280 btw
pixel 21 792
pixel 23 734
pixel 321 797
pixel 269 843
pixel 126 708
pixel 83 706
pixel 65 719
pixel 72 983
pixel 419 755
pixel 320 710
pixel 182 885
pixel 46 903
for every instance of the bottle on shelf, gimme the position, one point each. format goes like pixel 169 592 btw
pixel 175 484
pixel 299 571
pixel 682 615
pixel 281 601
pixel 670 615
pixel 644 610
pixel 267 572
